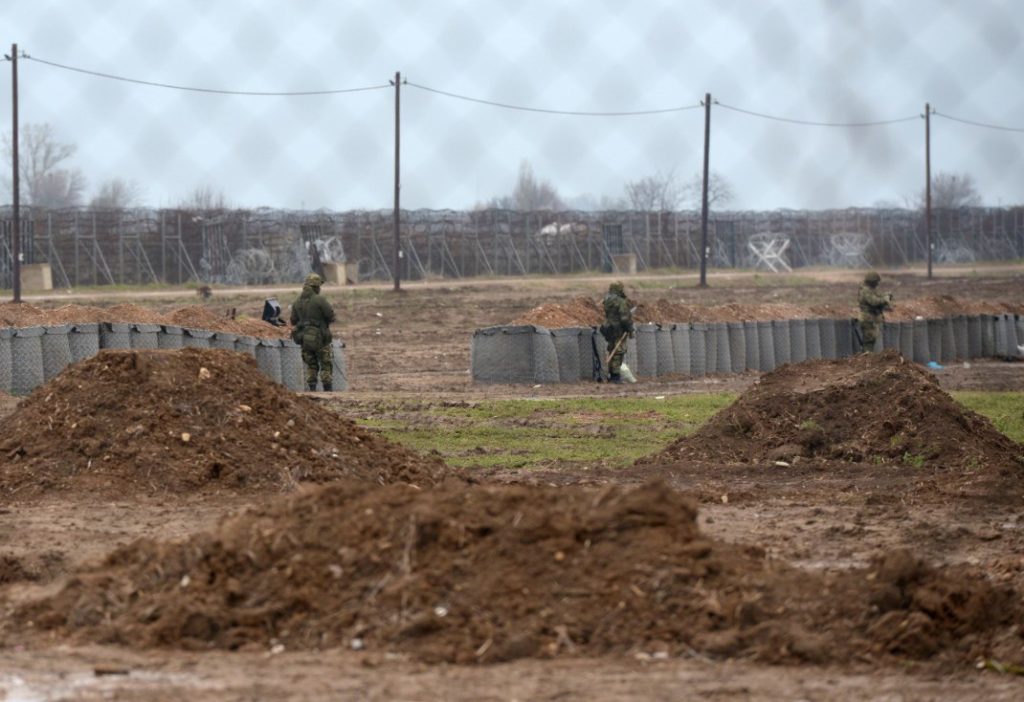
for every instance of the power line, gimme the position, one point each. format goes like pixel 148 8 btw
pixel 203 90
pixel 979 124
pixel 524 108
pixel 812 123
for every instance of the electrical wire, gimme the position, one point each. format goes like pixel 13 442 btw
pixel 812 123
pixel 523 108
pixel 204 90
pixel 978 124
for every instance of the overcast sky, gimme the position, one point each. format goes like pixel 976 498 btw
pixel 812 60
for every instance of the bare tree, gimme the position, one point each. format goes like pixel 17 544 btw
pixel 529 194
pixel 204 199
pixel 719 191
pixel 40 157
pixel 658 193
pixel 951 191
pixel 116 194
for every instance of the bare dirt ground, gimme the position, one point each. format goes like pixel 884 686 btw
pixel 414 345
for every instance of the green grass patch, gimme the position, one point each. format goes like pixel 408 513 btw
pixel 1004 409
pixel 609 432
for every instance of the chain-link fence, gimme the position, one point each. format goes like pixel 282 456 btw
pixel 527 139
pixel 267 246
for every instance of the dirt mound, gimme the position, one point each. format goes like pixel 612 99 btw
pixel 580 312
pixel 158 421
pixel 194 316
pixel 583 311
pixel 490 573
pixel 868 408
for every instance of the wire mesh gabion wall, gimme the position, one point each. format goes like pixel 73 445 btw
pixel 251 247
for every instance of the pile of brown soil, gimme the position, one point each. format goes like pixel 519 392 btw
pixel 195 316
pixel 870 407
pixel 490 573
pixel 580 312
pixel 178 421
pixel 583 311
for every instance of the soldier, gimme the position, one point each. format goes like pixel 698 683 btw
pixel 872 308
pixel 311 317
pixel 618 324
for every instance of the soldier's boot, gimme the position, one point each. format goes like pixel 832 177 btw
pixel 311 386
pixel 615 378
pixel 328 387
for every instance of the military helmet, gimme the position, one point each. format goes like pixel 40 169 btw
pixel 617 288
pixel 872 278
pixel 314 281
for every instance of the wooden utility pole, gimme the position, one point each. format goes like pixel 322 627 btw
pixel 16 215
pixel 928 184
pixel 397 257
pixel 704 194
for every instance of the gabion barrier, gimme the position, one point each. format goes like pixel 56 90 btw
pixel 723 363
pixel 797 341
pixel 145 336
pixel 681 348
pixel 751 346
pixel 171 337
pixel 198 339
pixel 84 341
pixel 31 356
pixel 922 350
pixel 223 340
pixel 891 335
pixel 5 359
pixel 56 350
pixel 737 347
pixel 988 335
pixel 268 358
pixel 765 346
pixel 575 352
pixel 813 337
pixel 906 340
pixel 973 336
pixel 960 336
pixel 340 368
pixel 115 336
pixel 666 364
pixel 512 354
pixel 845 342
pixel 698 349
pixel 711 348
pixel 293 372
pixel 827 330
pixel 246 344
pixel 26 360
pixel 646 350
pixel 781 340
pixel 948 354
pixel 935 339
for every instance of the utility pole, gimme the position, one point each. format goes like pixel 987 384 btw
pixel 704 194
pixel 928 184
pixel 397 258
pixel 16 224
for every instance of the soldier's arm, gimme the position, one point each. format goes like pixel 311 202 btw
pixel 327 310
pixel 295 314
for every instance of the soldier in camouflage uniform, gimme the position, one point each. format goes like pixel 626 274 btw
pixel 618 323
pixel 872 308
pixel 311 317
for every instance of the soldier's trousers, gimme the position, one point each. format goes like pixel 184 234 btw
pixel 320 362
pixel 615 362
pixel 868 334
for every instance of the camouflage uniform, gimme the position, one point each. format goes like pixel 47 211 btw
pixel 311 316
pixel 618 322
pixel 872 307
